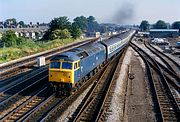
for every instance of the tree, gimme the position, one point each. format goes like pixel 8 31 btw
pixel 91 19
pixel 103 28
pixel 22 24
pixel 57 24
pixel 81 22
pixel 92 25
pixel 144 25
pixel 60 34
pixel 9 38
pixel 75 31
pixel 54 34
pixel 46 36
pixel 160 25
pixel 176 25
pixel 11 21
pixel 64 34
pixel 60 23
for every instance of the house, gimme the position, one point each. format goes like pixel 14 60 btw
pixel 30 33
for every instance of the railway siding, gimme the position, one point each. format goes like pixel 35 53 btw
pixel 168 107
pixel 171 64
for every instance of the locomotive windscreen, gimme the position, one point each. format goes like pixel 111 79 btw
pixel 55 65
pixel 66 65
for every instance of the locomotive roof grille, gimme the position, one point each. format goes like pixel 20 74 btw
pixel 82 55
pixel 58 57
pixel 75 50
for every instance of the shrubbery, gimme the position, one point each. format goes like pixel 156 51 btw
pixel 29 47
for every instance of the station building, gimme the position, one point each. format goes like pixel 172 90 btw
pixel 163 33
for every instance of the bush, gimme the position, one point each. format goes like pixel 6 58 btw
pixel 29 47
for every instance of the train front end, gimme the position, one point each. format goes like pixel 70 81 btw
pixel 63 73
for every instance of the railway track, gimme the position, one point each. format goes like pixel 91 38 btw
pixel 16 73
pixel 17 87
pixel 165 104
pixel 22 65
pixel 92 105
pixel 7 84
pixel 18 112
pixel 170 63
pixel 15 100
pixel 42 109
pixel 171 76
pixel 14 94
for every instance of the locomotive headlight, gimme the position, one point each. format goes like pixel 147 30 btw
pixel 69 75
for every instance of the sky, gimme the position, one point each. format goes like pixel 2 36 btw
pixel 105 11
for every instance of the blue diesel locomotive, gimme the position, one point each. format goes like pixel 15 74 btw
pixel 68 68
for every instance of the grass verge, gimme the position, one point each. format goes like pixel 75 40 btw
pixel 29 48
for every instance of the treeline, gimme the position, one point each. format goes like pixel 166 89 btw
pixel 160 24
pixel 13 23
pixel 61 27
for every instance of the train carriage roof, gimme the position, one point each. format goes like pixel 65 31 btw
pixel 115 39
pixel 92 48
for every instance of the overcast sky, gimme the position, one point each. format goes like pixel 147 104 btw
pixel 109 11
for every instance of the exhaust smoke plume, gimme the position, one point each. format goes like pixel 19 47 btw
pixel 124 14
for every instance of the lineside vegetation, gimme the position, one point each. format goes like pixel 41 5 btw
pixel 61 32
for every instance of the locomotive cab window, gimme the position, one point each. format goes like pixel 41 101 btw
pixel 66 65
pixel 55 65
pixel 76 65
